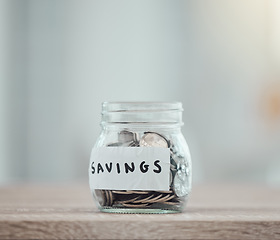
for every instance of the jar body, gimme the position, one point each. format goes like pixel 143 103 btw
pixel 133 196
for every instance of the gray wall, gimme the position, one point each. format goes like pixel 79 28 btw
pixel 13 90
pixel 60 59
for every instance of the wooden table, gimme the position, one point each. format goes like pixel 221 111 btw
pixel 68 212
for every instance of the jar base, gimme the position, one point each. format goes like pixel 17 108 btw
pixel 139 210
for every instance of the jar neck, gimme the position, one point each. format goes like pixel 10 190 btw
pixel 146 115
pixel 142 128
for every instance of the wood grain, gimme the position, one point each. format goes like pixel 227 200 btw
pixel 68 212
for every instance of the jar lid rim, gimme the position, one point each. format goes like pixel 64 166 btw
pixel 141 106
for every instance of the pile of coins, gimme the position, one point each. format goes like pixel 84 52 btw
pixel 179 176
pixel 135 199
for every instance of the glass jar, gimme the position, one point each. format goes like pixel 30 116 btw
pixel 141 162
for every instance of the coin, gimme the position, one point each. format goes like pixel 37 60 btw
pixel 100 197
pixel 181 187
pixel 169 197
pixel 177 158
pixel 133 144
pixel 169 191
pixel 162 199
pixel 170 178
pixel 129 200
pixel 171 203
pixel 104 197
pixel 135 205
pixel 153 200
pixel 110 198
pixel 144 200
pixel 152 139
pixel 116 144
pixel 173 164
pixel 185 168
pixel 125 136
pixel 122 192
pixel 119 144
pixel 140 192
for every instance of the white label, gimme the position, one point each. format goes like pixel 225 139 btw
pixel 129 168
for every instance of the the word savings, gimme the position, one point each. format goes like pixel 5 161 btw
pixel 125 167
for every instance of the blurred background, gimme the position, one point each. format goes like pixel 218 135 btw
pixel 60 59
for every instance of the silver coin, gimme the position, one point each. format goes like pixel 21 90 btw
pixel 182 175
pixel 181 185
pixel 104 197
pixel 100 197
pixel 178 158
pixel 125 136
pixel 188 171
pixel 185 169
pixel 152 139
